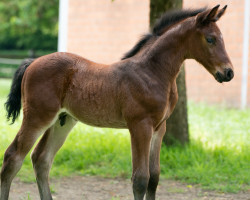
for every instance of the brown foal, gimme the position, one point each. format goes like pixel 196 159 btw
pixel 138 93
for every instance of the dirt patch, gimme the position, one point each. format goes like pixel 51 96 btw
pixel 89 188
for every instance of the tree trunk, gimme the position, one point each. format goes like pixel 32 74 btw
pixel 177 124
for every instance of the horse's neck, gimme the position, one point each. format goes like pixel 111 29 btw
pixel 167 54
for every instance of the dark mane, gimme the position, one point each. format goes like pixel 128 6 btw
pixel 144 39
pixel 168 19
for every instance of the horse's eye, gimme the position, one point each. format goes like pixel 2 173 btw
pixel 210 40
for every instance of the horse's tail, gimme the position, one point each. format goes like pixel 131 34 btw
pixel 13 103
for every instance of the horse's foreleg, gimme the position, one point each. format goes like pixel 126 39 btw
pixel 141 133
pixel 43 154
pixel 16 152
pixel 154 161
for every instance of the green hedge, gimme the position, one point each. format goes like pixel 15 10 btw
pixel 28 24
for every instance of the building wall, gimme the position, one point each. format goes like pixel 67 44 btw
pixel 103 30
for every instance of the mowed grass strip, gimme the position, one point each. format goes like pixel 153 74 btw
pixel 217 157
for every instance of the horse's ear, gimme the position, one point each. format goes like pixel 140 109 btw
pixel 220 13
pixel 207 16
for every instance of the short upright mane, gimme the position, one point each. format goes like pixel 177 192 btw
pixel 168 19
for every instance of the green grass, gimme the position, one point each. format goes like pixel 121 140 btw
pixel 217 157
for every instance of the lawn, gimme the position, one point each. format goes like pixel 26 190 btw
pixel 217 157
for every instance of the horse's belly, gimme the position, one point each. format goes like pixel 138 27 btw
pixel 99 116
pixel 105 124
pixel 100 121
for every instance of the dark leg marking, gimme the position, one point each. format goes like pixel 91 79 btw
pixel 62 118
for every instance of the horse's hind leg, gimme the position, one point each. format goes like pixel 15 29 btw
pixel 31 129
pixel 43 154
pixel 154 161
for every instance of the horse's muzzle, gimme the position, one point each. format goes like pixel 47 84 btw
pixel 227 76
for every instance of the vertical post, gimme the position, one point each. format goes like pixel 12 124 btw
pixel 245 55
pixel 63 25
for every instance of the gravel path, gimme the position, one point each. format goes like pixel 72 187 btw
pixel 96 188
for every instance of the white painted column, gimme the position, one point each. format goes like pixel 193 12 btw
pixel 63 25
pixel 245 55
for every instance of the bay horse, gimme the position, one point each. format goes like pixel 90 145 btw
pixel 138 93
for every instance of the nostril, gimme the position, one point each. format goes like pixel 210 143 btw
pixel 229 74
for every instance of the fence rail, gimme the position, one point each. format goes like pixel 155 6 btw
pixel 11 61
pixel 8 66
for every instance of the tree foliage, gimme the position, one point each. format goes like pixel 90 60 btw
pixel 28 24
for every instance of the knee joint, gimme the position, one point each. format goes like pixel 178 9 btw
pixel 153 181
pixel 140 184
pixel 10 152
pixel 34 157
pixel 7 155
pixel 38 159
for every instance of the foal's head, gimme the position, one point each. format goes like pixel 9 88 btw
pixel 208 46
